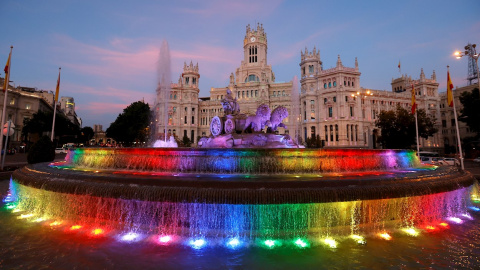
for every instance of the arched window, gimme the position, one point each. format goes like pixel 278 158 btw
pixel 329 85
pixel 334 84
pixel 325 85
pixel 252 78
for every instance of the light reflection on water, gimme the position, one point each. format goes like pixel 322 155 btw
pixel 28 245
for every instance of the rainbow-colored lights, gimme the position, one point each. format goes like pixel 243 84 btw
pixel 240 224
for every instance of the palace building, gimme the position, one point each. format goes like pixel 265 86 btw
pixel 332 102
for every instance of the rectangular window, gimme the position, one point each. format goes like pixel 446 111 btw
pixel 28 106
pixel 312 115
pixel 330 112
pixel 12 101
pixel 453 122
pixel 351 111
pixel 444 123
pixel 310 69
pixel 187 80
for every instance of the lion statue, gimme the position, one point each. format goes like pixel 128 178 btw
pixel 277 117
pixel 257 122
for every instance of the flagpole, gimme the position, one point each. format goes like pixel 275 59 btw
pixel 456 127
pixel 55 104
pixel 5 92
pixel 416 130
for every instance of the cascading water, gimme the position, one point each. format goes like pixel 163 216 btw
pixel 248 195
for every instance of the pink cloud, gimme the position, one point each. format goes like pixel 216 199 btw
pixel 99 108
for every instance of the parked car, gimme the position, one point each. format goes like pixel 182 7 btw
pixel 477 160
pixel 430 160
pixel 60 151
pixel 450 162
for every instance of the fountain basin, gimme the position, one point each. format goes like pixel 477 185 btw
pixel 259 193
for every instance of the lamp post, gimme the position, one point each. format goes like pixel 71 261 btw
pixel 471 51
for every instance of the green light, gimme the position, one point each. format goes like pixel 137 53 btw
pixel 269 243
pixel 11 206
pixel 301 243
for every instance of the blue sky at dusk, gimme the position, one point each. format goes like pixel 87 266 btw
pixel 108 49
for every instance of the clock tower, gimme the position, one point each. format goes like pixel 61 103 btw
pixel 255 46
pixel 254 67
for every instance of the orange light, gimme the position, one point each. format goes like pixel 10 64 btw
pixel 443 224
pixel 75 227
pixel 431 228
pixel 386 236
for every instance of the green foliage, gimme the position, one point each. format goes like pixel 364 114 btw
pixel 41 151
pixel 131 125
pixel 186 141
pixel 313 142
pixel 42 122
pixel 471 110
pixel 398 128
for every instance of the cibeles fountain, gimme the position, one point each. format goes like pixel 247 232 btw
pixel 245 185
pixel 230 130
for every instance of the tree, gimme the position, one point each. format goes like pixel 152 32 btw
pixel 314 142
pixel 186 141
pixel 470 114
pixel 42 122
pixel 398 128
pixel 131 125
pixel 41 151
pixel 86 134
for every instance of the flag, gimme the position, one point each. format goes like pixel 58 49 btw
pixel 449 90
pixel 58 86
pixel 414 103
pixel 398 64
pixel 7 73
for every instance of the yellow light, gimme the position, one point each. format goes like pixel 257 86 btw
pixel 75 227
pixel 457 53
pixel 55 223
pixel 385 236
pixel 25 216
pixel 97 231
pixel 359 239
pixel 411 231
pixel 330 242
pixel 16 210
pixel 39 220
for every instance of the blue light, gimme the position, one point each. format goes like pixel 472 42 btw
pixel 198 243
pixel 474 208
pixel 233 243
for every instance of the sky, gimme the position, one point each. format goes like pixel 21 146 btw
pixel 108 50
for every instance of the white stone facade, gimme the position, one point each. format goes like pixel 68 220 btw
pixel 332 102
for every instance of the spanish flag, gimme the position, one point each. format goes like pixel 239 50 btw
pixel 7 72
pixel 449 90
pixel 58 86
pixel 414 102
pixel 398 64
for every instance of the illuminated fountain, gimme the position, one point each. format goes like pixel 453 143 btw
pixel 236 195
pixel 241 197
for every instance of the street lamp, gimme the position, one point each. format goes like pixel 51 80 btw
pixel 471 51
